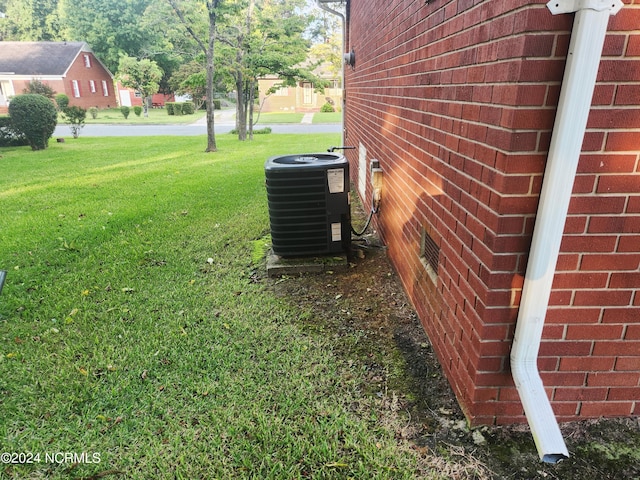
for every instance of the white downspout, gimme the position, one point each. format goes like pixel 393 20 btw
pixel 583 59
pixel 322 4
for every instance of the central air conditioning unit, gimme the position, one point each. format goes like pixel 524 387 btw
pixel 308 198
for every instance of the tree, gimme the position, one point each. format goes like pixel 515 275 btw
pixel 39 88
pixel 330 51
pixel 191 79
pixel 31 20
pixel 35 117
pixel 264 37
pixel 111 28
pixel 76 117
pixel 187 13
pixel 141 75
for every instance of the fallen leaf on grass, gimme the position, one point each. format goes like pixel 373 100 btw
pixel 128 290
pixel 336 465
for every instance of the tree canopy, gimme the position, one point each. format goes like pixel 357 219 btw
pixel 208 46
pixel 141 75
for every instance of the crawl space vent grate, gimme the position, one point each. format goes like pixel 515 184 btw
pixel 429 253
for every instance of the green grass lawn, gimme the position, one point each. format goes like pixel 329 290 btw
pixel 327 117
pixel 268 118
pixel 133 324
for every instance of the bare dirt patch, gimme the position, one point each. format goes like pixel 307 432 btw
pixel 376 329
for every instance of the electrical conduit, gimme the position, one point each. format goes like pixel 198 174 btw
pixel 583 59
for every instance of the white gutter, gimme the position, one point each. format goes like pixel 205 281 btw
pixel 322 4
pixel 583 60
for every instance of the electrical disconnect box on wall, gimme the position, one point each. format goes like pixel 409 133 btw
pixel 308 198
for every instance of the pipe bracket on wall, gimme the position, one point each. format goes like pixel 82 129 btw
pixel 568 6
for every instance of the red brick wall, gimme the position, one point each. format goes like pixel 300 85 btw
pixel 84 75
pixel 457 99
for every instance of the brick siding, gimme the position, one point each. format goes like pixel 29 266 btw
pixel 457 100
pixel 83 75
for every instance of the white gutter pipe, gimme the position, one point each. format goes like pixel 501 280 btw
pixel 583 60
pixel 322 4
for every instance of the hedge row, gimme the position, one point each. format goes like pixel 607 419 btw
pixel 180 108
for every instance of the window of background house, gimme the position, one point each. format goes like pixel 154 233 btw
pixel 92 86
pixel 105 88
pixel 76 88
pixel 87 61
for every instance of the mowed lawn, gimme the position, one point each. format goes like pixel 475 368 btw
pixel 138 333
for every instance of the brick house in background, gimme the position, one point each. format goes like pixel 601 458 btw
pixel 457 101
pixel 67 67
pixel 303 97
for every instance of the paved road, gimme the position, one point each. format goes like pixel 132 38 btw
pixel 182 130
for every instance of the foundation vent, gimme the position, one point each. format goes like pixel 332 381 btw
pixel 429 255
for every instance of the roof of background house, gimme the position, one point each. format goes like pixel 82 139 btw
pixel 39 58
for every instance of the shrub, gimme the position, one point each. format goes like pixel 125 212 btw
pixel 177 108
pixel 93 111
pixel 137 110
pixel 35 117
pixel 75 116
pixel 188 108
pixel 36 87
pixel 170 106
pixel 125 111
pixel 217 105
pixel 8 135
pixel 260 131
pixel 62 100
pixel 327 108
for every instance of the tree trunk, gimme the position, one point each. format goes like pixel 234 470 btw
pixel 211 134
pixel 212 7
pixel 241 107
pixel 251 100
